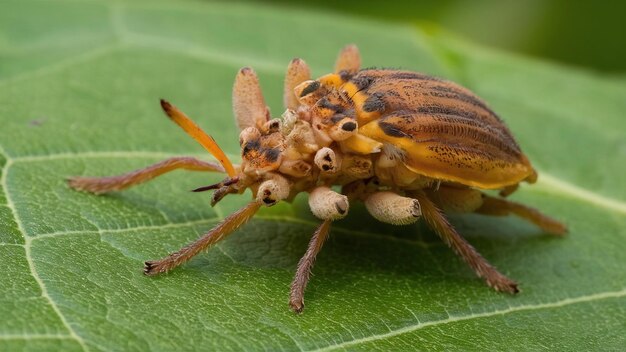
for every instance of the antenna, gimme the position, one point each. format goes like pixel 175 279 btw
pixel 199 135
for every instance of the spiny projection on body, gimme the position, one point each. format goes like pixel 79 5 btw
pixel 406 144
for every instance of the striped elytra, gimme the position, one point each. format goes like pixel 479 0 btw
pixel 444 131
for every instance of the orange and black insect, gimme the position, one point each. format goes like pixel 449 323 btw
pixel 406 144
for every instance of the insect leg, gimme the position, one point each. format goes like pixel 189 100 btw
pixel 216 234
pixel 303 273
pixel 100 185
pixel 349 60
pixel 437 221
pixel 297 72
pixel 392 208
pixel 248 103
pixel 327 205
pixel 467 200
pixel 503 207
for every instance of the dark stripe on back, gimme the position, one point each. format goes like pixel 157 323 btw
pixel 466 98
pixel 326 104
pixel 450 125
pixel 392 130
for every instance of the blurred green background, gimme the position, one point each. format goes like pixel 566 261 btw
pixel 588 34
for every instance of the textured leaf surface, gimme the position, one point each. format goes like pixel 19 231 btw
pixel 79 86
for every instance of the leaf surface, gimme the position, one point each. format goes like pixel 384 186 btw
pixel 79 85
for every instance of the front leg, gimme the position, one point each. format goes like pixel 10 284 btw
pixel 303 273
pixel 218 233
pixel 327 205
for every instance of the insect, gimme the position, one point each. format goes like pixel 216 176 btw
pixel 406 144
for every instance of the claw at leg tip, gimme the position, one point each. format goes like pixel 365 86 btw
pixel 297 307
pixel 148 268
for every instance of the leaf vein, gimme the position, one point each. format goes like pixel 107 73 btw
pixel 575 191
pixel 452 319
pixel 28 254
pixel 126 229
pixel 8 337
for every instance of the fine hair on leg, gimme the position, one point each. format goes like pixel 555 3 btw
pixel 100 185
pixel 218 233
pixel 438 222
pixel 303 273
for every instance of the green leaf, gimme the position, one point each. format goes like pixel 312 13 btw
pixel 79 85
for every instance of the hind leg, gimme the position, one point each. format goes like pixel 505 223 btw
pixel 503 207
pixel 466 200
pixel 437 221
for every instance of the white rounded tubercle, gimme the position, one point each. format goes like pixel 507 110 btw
pixel 327 204
pixel 393 208
pixel 327 161
pixel 273 190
